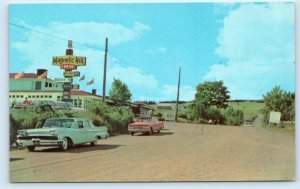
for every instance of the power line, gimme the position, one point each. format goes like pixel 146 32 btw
pixel 64 39
pixel 54 36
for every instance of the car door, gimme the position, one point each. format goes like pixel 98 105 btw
pixel 82 133
pixel 90 135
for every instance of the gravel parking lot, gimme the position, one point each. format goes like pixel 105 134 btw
pixel 181 152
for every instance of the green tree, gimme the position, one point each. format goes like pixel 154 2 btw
pixel 280 101
pixel 120 93
pixel 212 94
pixel 209 98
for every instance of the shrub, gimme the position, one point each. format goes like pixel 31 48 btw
pixel 116 118
pixel 233 117
pixel 215 115
pixel 281 101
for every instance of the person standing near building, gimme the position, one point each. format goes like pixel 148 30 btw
pixel 26 101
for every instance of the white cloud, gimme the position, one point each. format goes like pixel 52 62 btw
pixel 39 49
pixel 258 42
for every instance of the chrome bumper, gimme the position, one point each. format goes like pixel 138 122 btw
pixel 39 142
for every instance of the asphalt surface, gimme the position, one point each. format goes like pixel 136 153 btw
pixel 181 152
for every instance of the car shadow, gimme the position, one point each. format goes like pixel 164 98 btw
pixel 15 159
pixel 154 134
pixel 80 148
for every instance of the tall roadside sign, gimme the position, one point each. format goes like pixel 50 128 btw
pixel 68 63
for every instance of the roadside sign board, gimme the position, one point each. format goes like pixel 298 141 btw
pixel 75 86
pixel 63 80
pixel 71 74
pixel 68 67
pixel 67 86
pixel 274 117
pixel 69 59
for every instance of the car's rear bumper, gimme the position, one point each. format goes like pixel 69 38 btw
pixel 139 130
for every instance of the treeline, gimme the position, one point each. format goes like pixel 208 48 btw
pixel 240 100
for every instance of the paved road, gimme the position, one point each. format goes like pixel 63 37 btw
pixel 181 152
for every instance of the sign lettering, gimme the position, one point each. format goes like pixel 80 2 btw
pixel 71 74
pixel 63 80
pixel 69 59
pixel 68 67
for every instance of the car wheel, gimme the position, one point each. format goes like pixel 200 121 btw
pixel 95 142
pixel 158 131
pixel 132 133
pixel 65 144
pixel 30 148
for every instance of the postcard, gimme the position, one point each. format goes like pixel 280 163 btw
pixel 152 92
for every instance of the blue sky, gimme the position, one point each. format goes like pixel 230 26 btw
pixel 248 46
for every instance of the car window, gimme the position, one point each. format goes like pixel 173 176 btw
pixel 67 123
pixel 80 124
pixel 86 124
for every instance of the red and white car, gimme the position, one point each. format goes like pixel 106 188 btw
pixel 145 125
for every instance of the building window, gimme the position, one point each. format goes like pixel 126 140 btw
pixel 50 84
pixel 56 85
pixel 9 96
pixel 37 96
pixel 18 96
pixel 29 96
pixel 13 96
pixel 46 84
pixel 80 103
pixel 46 96
pixel 22 96
pixel 33 96
pixel 38 85
pixel 50 96
pixel 75 102
pixel 42 96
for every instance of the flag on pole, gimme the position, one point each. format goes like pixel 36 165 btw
pixel 82 78
pixel 44 75
pixel 19 75
pixel 90 82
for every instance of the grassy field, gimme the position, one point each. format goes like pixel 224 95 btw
pixel 250 109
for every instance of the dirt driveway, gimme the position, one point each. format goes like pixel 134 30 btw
pixel 181 152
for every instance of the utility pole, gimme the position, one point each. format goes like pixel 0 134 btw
pixel 104 74
pixel 178 91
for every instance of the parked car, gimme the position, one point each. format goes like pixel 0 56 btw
pixel 62 132
pixel 72 107
pixel 145 125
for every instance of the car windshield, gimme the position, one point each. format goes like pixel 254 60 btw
pixel 67 123
pixel 144 119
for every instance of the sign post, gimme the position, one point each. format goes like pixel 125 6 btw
pixel 69 62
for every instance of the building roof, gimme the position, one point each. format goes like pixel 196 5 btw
pixel 140 104
pixel 26 76
pixel 165 104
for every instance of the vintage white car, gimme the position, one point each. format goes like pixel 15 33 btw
pixel 62 132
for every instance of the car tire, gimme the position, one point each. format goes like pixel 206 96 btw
pixel 65 144
pixel 30 148
pixel 95 142
pixel 158 131
pixel 131 133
